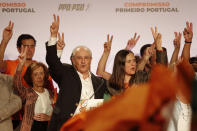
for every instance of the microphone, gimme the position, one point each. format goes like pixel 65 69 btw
pixel 102 82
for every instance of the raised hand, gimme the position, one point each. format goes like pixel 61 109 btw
pixel 157 39
pixel 132 42
pixel 177 43
pixel 22 57
pixel 177 40
pixel 54 26
pixel 188 32
pixel 7 32
pixel 145 59
pixel 158 42
pixel 154 33
pixel 103 60
pixel 149 52
pixel 107 45
pixel 60 42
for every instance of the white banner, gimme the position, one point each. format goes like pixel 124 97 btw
pixel 87 22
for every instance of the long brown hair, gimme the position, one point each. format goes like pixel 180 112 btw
pixel 116 80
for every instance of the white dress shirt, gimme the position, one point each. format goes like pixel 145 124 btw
pixel 53 41
pixel 185 117
pixel 43 103
pixel 87 91
pixel 181 117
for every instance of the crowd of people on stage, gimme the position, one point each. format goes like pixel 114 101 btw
pixel 29 101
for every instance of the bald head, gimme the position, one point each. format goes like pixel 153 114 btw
pixel 81 59
pixel 80 48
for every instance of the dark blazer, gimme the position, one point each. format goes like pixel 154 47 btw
pixel 70 86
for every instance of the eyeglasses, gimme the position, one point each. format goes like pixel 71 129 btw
pixel 30 46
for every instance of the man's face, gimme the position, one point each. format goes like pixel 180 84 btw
pixel 30 45
pixel 38 77
pixel 82 60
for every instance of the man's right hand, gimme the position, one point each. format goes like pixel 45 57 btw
pixel 54 26
pixel 7 32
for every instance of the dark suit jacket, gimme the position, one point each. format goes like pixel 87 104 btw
pixel 70 88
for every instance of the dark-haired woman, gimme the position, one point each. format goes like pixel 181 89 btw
pixel 125 70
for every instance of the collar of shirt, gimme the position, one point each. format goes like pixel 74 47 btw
pixel 81 76
pixel 87 87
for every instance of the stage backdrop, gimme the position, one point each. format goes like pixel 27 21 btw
pixel 87 22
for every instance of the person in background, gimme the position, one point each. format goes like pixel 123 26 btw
pixel 182 112
pixel 159 54
pixel 9 66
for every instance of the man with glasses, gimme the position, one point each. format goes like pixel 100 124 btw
pixel 24 41
pixel 9 66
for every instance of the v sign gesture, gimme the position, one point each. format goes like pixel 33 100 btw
pixel 22 59
pixel 177 40
pixel 60 42
pixel 103 60
pixel 157 39
pixel 132 42
pixel 188 32
pixel 154 33
pixel 107 45
pixel 7 32
pixel 188 35
pixel 55 26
